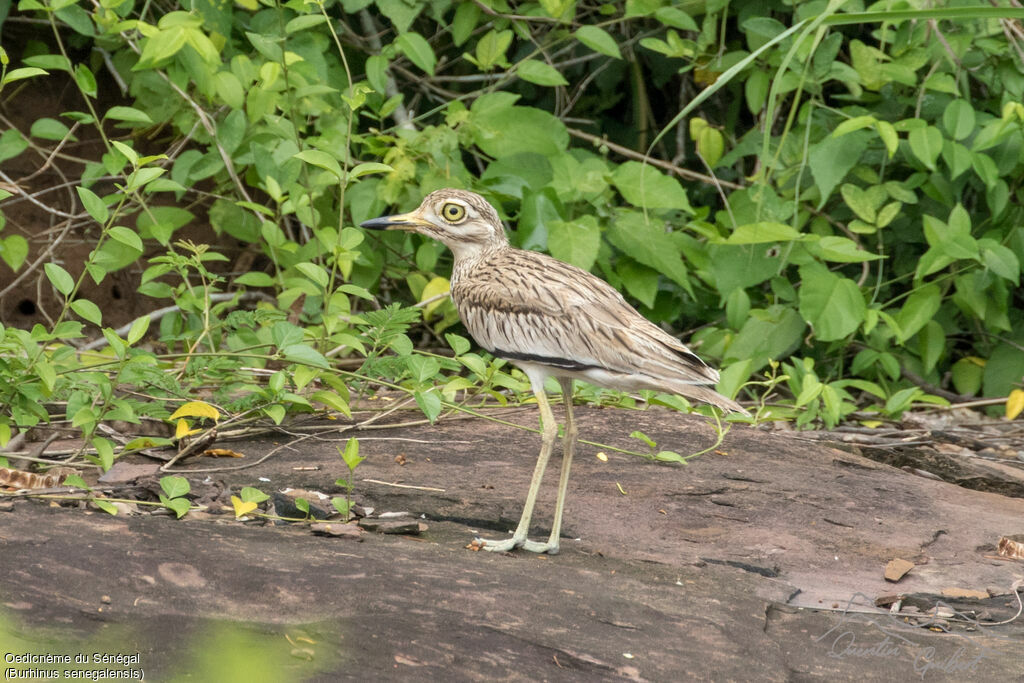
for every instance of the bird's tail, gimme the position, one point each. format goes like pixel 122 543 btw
pixel 708 395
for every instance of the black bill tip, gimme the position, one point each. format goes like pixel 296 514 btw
pixel 383 223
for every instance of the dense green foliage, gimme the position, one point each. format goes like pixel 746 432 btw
pixel 813 184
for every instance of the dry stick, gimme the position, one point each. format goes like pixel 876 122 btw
pixel 207 470
pixel 48 209
pixel 403 486
pixel 632 154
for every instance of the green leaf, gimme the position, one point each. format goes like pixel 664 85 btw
pixel 130 114
pixel 49 129
pixel 138 330
pixel 23 73
pixel 1004 368
pixel 141 177
pixel 643 437
pixel 314 272
pixel 14 250
pixel 855 123
pixel 833 305
pixel 88 311
pixel 164 45
pixel 175 486
pixel 321 160
pixel 887 132
pixel 832 158
pixel 464 22
pixel 129 153
pixel 491 48
pixel 301 353
pixel 254 279
pixel 755 91
pixel 958 119
pixel 841 250
pixel 350 454
pixel 676 18
pixel 986 168
pixel 104 452
pixel 763 232
pixel 646 242
pixel 769 333
pixel 401 13
pixel 12 143
pixel 86 80
pixel 303 22
pixel 640 281
pixel 644 186
pixel 1000 260
pixel 710 145
pixel 540 73
pixel 126 237
pixel 250 494
pixel 931 342
pixel 967 375
pixel 105 505
pixel 180 506
pixel 59 278
pixel 919 308
pixel 500 129
pixel 418 50
pixel 926 144
pixel 430 403
pixel 599 40
pixel 575 242
pixel 95 206
pixel 369 167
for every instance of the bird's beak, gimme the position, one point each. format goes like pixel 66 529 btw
pixel 403 221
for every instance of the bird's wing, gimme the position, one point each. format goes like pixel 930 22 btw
pixel 527 306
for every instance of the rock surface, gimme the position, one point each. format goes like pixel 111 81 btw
pixel 761 560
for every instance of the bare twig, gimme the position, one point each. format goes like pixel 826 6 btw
pixel 639 156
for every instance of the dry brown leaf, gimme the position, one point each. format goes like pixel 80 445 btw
pixel 897 569
pixel 221 453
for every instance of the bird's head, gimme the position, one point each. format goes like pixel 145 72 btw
pixel 463 221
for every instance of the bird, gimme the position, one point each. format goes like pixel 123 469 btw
pixel 550 319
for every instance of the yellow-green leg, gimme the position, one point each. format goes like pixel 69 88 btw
pixel 549 432
pixel 569 446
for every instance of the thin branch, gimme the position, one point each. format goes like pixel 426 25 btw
pixel 639 156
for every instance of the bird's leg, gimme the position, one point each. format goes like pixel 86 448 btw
pixel 569 445
pixel 549 432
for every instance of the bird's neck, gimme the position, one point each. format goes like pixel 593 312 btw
pixel 470 256
pixel 469 253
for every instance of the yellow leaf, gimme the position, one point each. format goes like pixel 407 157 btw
pixel 435 287
pixel 221 453
pixel 242 509
pixel 196 409
pixel 251 5
pixel 872 424
pixel 1014 404
pixel 183 429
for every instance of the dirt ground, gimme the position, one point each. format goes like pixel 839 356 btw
pixel 763 560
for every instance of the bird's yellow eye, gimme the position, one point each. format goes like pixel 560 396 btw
pixel 453 212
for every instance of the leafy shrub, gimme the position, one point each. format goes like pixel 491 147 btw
pixel 813 183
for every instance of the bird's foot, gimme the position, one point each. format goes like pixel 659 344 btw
pixel 513 543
